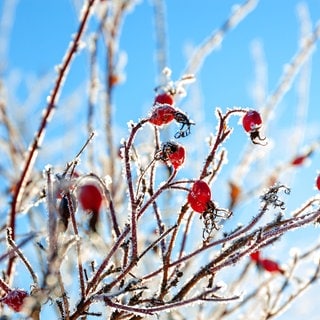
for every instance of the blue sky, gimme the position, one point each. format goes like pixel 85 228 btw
pixel 42 30
pixel 40 33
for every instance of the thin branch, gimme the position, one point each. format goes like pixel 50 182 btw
pixel 18 251
pixel 47 115
pixel 215 39
pixel 172 305
pixel 72 211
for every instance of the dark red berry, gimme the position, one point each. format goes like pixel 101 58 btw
pixel 177 157
pixel 301 159
pixel 269 265
pixel 255 256
pixel 90 198
pixel 251 121
pixel 199 196
pixel 318 182
pixel 164 98
pixel 172 152
pixel 15 299
pixel 298 160
pixel 162 114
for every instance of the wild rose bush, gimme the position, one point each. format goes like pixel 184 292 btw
pixel 142 228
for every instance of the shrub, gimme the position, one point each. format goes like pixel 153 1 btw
pixel 140 226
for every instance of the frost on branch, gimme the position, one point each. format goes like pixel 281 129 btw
pixel 271 197
pixel 146 225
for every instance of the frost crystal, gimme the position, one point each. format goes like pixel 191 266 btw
pixel 271 196
pixel 107 180
pixel 130 124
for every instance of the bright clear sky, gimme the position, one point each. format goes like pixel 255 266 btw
pixel 39 33
pixel 42 30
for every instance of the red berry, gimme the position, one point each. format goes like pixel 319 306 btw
pixel 270 265
pixel 298 160
pixel 199 196
pixel 251 121
pixel 162 114
pixel 90 198
pixel 318 182
pixel 301 159
pixel 172 152
pixel 15 299
pixel 164 98
pixel 255 256
pixel 177 157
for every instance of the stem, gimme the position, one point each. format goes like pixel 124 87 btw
pixel 185 235
pixel 133 203
pixel 233 254
pixel 160 32
pixel 143 209
pixel 95 280
pixel 22 257
pixel 22 243
pixel 151 192
pixel 92 94
pixel 52 222
pixel 222 134
pixel 4 286
pixel 65 300
pixel 76 232
pixel 215 39
pixel 226 239
pixel 167 257
pixel 151 310
pixel 48 112
pixel 161 237
pixel 111 30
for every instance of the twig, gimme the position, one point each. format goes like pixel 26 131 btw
pixel 47 115
pixel 171 305
pixel 78 244
pixel 52 222
pixel 222 134
pixel 154 243
pixel 133 204
pixel 18 251
pixel 20 245
pixel 215 39
pixel 111 29
pixel 160 31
